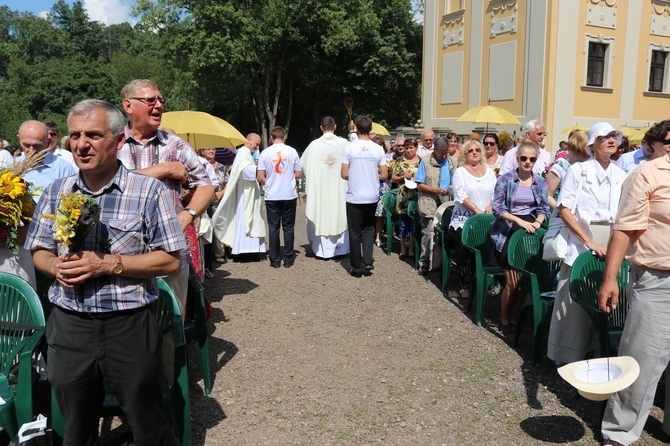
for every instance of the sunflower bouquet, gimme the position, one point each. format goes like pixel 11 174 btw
pixel 76 218
pixel 16 201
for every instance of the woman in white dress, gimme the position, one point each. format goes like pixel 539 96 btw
pixel 473 186
pixel 588 212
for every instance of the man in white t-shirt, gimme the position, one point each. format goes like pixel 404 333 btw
pixel 282 164
pixel 363 166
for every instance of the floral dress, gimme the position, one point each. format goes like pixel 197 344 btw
pixel 400 167
pixel 384 187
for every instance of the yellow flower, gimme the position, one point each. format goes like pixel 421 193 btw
pixel 11 185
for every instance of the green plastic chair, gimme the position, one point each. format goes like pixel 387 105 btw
pixel 168 316
pixel 539 276
pixel 21 328
pixel 586 276
pixel 196 329
pixel 477 238
pixel 388 203
pixel 43 284
pixel 413 212
pixel 447 253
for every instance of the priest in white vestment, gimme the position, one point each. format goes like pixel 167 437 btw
pixel 326 206
pixel 238 221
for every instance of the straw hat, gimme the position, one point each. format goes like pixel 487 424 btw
pixel 601 129
pixel 590 377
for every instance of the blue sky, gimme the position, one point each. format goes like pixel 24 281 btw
pixel 105 11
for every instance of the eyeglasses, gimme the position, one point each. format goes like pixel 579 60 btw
pixel 53 134
pixel 525 158
pixel 665 141
pixel 474 150
pixel 151 101
pixel 428 139
pixel 400 145
pixel 612 135
pixel 489 143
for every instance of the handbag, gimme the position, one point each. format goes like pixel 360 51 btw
pixel 555 244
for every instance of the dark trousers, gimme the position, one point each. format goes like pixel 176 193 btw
pixel 281 214
pixel 361 225
pixel 125 349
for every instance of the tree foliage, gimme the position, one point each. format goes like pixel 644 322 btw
pixel 255 63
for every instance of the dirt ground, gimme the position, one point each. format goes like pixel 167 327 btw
pixel 312 356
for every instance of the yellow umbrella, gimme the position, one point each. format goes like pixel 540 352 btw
pixel 636 137
pixel 490 115
pixel 627 131
pixel 379 129
pixel 202 130
pixel 567 130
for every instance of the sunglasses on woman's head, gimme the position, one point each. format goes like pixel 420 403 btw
pixel 525 158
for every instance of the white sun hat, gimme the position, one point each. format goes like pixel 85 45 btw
pixel 601 129
pixel 598 379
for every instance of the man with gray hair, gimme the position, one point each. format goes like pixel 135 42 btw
pixel 101 325
pixel 426 144
pixel 536 131
pixel 168 158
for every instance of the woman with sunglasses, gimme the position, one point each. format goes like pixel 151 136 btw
pixel 493 158
pixel 405 168
pixel 587 204
pixel 473 186
pixel 519 203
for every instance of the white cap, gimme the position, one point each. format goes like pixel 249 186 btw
pixel 601 129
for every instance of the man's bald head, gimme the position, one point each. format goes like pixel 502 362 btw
pixel 253 142
pixel 33 137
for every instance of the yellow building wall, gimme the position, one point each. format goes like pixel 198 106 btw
pixel 600 104
pixel 514 106
pixel 651 108
pixel 454 110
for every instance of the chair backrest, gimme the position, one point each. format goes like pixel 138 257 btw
pixel 413 208
pixel 389 200
pixel 525 256
pixel 168 316
pixel 586 276
pixel 477 235
pixel 446 217
pixel 21 319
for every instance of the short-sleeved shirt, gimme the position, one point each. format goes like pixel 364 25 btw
pixel 280 162
pixel 136 217
pixel 164 148
pixel 363 157
pixel 445 175
pixel 49 170
pixel 645 206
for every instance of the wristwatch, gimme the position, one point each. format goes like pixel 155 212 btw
pixel 118 268
pixel 191 212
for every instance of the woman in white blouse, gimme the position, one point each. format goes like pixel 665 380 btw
pixel 588 213
pixel 473 186
pixel 576 148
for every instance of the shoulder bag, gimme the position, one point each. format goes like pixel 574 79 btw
pixel 556 238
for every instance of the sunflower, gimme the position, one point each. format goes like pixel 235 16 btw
pixel 11 185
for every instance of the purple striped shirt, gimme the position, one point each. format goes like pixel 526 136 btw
pixel 136 217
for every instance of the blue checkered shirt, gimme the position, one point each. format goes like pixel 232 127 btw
pixel 136 217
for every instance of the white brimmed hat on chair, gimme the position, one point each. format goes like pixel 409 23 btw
pixel 598 379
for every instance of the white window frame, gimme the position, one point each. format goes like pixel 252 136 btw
pixel 609 57
pixel 666 71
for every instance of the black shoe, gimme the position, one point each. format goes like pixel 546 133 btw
pixel 275 264
pixel 423 272
pixel 356 273
pixel 221 260
pixel 288 264
pixel 369 267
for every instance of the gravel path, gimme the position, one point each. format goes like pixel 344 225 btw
pixel 313 356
